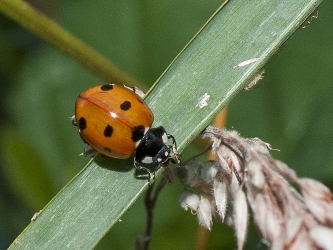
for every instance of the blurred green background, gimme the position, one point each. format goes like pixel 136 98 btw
pixel 292 108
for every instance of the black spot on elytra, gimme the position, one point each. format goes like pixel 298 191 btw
pixel 82 123
pixel 106 87
pixel 108 131
pixel 107 149
pixel 138 133
pixel 126 105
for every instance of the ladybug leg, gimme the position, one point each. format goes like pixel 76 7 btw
pixel 174 149
pixel 88 151
pixel 136 90
pixel 143 169
pixel 73 120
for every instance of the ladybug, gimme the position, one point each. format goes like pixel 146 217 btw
pixel 115 121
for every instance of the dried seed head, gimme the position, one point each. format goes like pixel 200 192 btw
pixel 318 199
pixel 190 200
pixel 205 213
pixel 322 237
pixel 241 218
pixel 220 193
pixel 245 174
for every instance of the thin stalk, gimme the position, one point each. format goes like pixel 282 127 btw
pixel 47 29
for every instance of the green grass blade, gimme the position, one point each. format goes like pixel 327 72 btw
pixel 38 23
pixel 80 215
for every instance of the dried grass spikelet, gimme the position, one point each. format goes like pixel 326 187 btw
pixel 245 174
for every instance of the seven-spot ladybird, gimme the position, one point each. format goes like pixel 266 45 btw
pixel 115 121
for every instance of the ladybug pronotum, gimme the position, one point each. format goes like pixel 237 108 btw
pixel 115 121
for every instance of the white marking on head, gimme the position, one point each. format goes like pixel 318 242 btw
pixel 137 143
pixel 166 153
pixel 165 138
pixel 159 159
pixel 147 160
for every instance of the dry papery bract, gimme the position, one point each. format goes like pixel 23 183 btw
pixel 243 174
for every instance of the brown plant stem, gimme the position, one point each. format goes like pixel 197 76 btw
pixel 150 202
